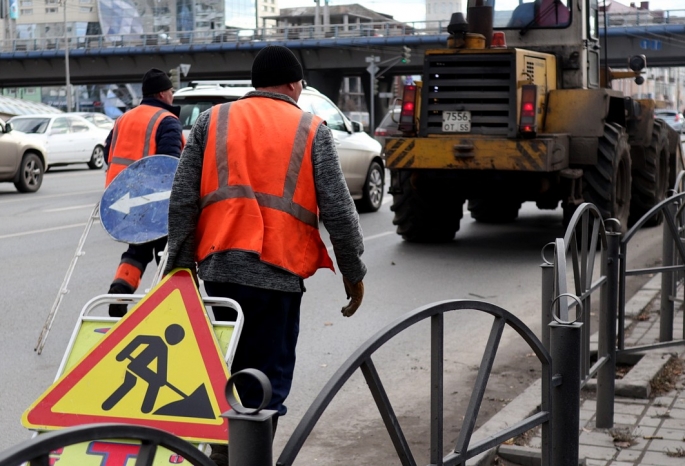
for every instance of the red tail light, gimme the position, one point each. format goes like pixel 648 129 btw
pixel 677 117
pixel 380 132
pixel 408 109
pixel 528 118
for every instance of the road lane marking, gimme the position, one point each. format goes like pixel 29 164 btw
pixel 53 196
pixel 44 230
pixel 62 209
pixel 366 238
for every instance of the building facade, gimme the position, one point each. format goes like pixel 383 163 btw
pixel 441 10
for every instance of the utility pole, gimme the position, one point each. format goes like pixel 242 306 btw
pixel 66 59
pixel 372 69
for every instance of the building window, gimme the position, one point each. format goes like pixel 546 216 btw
pixel 85 9
pixel 26 11
pixel 51 2
pixel 428 8
pixel 86 1
pixel 265 8
pixel 27 3
pixel 51 10
pixel 273 10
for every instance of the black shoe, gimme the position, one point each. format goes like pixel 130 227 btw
pixel 118 310
pixel 219 455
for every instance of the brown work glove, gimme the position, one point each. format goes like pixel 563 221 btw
pixel 355 293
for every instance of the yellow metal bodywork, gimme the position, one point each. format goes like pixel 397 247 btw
pixel 489 152
pixel 478 152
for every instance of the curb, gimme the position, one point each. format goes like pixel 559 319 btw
pixel 528 402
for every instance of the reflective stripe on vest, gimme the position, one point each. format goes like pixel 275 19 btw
pixel 283 203
pixel 135 149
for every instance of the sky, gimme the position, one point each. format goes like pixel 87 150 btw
pixel 415 10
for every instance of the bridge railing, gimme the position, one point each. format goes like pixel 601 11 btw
pixel 204 37
pixel 643 18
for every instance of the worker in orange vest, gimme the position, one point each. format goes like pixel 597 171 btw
pixel 252 183
pixel 151 128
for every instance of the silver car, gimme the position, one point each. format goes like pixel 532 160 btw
pixel 22 159
pixel 673 117
pixel 360 154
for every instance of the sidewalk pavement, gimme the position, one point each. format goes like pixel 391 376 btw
pixel 648 430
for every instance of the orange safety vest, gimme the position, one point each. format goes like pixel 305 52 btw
pixel 257 189
pixel 138 138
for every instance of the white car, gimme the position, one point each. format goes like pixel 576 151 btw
pixel 360 154
pixel 67 138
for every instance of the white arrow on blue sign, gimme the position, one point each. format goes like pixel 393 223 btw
pixel 134 206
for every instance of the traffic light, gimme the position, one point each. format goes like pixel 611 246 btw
pixel 175 76
pixel 406 54
pixel 375 86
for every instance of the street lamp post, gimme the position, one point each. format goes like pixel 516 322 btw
pixel 66 59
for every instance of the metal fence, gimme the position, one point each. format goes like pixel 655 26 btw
pixel 585 235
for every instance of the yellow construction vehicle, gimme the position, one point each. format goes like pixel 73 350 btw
pixel 517 107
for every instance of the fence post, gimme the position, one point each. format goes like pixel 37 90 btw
pixel 606 376
pixel 565 340
pixel 667 279
pixel 250 429
pixel 547 297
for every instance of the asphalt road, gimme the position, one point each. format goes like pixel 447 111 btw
pixel 497 263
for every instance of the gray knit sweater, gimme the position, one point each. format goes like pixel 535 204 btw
pixel 336 210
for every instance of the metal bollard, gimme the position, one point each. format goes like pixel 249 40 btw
pixel 250 429
pixel 565 341
pixel 607 335
pixel 547 269
pixel 667 278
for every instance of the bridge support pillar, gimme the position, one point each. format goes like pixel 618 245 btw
pixel 380 105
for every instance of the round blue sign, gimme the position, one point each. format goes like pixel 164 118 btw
pixel 134 207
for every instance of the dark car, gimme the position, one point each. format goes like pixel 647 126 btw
pixel 388 127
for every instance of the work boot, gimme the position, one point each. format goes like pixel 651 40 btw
pixel 219 454
pixel 115 309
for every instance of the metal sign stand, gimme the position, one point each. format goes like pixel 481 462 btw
pixel 63 290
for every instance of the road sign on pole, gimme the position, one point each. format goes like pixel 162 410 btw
pixel 372 68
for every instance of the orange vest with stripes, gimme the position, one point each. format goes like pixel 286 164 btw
pixel 134 137
pixel 257 186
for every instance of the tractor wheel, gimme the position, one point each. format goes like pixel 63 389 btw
pixel 607 183
pixel 650 179
pixel 494 210
pixel 427 209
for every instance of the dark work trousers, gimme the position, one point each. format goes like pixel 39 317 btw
pixel 268 339
pixel 139 256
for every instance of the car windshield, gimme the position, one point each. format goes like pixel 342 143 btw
pixel 530 14
pixel 191 109
pixel 31 125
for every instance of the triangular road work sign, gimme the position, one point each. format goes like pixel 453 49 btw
pixel 159 366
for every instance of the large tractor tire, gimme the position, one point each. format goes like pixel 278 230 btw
pixel 426 208
pixel 607 183
pixel 650 176
pixel 494 210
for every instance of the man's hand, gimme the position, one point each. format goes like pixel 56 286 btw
pixel 355 293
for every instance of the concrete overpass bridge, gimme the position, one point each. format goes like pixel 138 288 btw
pixel 338 51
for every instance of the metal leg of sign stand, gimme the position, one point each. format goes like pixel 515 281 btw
pixel 63 290
pixel 159 273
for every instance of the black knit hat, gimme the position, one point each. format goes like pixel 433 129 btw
pixel 275 65
pixel 156 81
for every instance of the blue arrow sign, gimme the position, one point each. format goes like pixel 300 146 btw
pixel 134 207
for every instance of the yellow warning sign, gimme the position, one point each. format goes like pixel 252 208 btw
pixel 159 366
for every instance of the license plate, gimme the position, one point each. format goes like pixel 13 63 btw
pixel 456 122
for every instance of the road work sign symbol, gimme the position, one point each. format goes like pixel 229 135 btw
pixel 159 366
pixel 134 206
